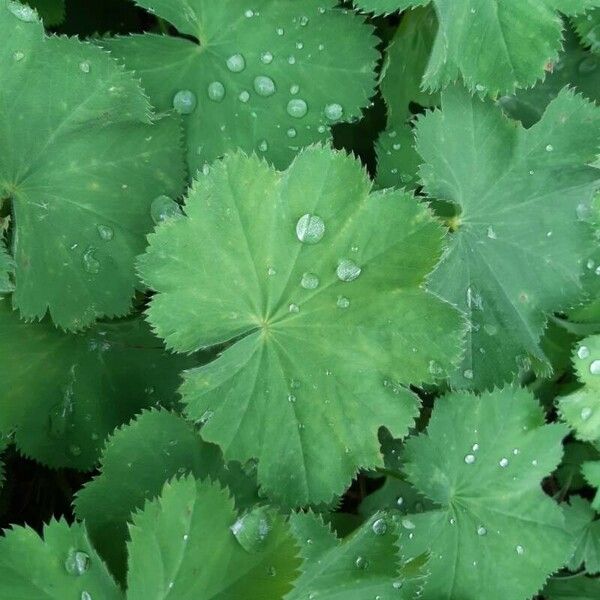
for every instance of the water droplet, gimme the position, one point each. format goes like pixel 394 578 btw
pixel 297 108
pixel 342 302
pixel 491 233
pixel 468 374
pixel 452 521
pixel 280 31
pixel 252 529
pixel 334 111
pixel 85 596
pixel 503 462
pixel 216 91
pixel 299 45
pixel 292 133
pixel 291 398
pixel 481 530
pixel 407 524
pixel 309 281
pixel 310 229
pixel 105 232
pixel 294 308
pixel 583 211
pixel 588 65
pixel 397 585
pixel 184 102
pixel 22 11
pixel 469 459
pixel 271 571
pixel 595 367
pixel 85 66
pixel 399 501
pixel 17 56
pixel 480 88
pixel 271 271
pixel 549 148
pixel 583 352
pixel 263 146
pixel 236 63
pixel 77 562
pixel 303 21
pixel 249 14
pixel 90 263
pixel 244 96
pixel 586 413
pixel 379 527
pixel 164 208
pixel 266 58
pixel 516 451
pixel 361 562
pixel 519 549
pixel 264 86
pixel 475 447
pixel 292 59
pixel 347 270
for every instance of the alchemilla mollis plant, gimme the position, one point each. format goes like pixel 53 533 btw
pixel 300 300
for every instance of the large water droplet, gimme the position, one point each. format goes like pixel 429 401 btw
pixel 595 367
pixel 216 91
pixel 379 527
pixel 309 281
pixel 105 232
pixel 184 102
pixel 90 263
pixel 347 270
pixel 586 413
pixel 264 86
pixel 77 562
pixel 503 462
pixel 470 459
pixel 583 352
pixel 236 63
pixel 310 229
pixel 334 111
pixel 22 11
pixel 252 529
pixel 164 208
pixel 297 108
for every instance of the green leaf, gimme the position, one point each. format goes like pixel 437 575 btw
pixel 7 268
pixel 406 60
pixel 482 460
pixel 61 565
pixel 581 522
pixel 81 167
pixel 64 393
pixel 577 587
pixel 484 42
pixel 575 67
pixel 517 246
pixel 364 565
pixel 52 12
pixel 591 472
pixel 184 545
pixel 136 462
pixel 569 473
pixel 581 409
pixel 275 70
pixel 326 333
pixel 588 28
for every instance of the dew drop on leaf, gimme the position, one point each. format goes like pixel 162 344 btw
pixel 468 374
pixel 294 89
pixel 264 86
pixel 85 595
pixel 361 562
pixel 294 308
pixel 252 529
pixel 236 63
pixel 90 263
pixel 520 550
pixel 85 66
pixel 18 56
pixel 379 527
pixel 105 232
pixel 266 58
pixel 164 208
pixel 343 302
pixel 309 281
pixel 263 146
pixel 297 108
pixel 310 229
pixel 397 585
pixel 216 91
pixel 595 367
pixel 586 413
pixel 481 530
pixel 77 562
pixel 334 111
pixel 292 133
pixel 244 96
pixel 469 459
pixel 184 102
pixel 347 270
pixel 503 462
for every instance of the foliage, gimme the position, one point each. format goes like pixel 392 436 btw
pixel 300 300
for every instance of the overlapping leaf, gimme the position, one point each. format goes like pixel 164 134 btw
pixel 61 565
pixel 581 409
pixel 52 12
pixel 364 565
pixel 269 77
pixel 591 472
pixel 320 284
pixel 496 534
pixel 136 462
pixel 190 543
pixel 582 524
pixel 81 163
pixel 577 587
pixel 65 393
pixel 518 244
pixel 6 270
pixel 494 46
pixel 588 28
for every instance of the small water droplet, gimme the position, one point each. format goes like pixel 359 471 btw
pixel 586 413
pixel 468 374
pixel 85 66
pixel 266 58
pixel 519 549
pixel 334 111
pixel 379 527
pixel 309 281
pixel 271 271
pixel 481 530
pixel 244 96
pixel 263 146
pixel 297 108
pixel 252 529
pixel 480 88
pixel 397 585
pixel 292 133
pixel 291 59
pixel 236 63
pixel 310 229
pixel 17 56
pixel 469 459
pixel 164 208
pixel 583 352
pixel 291 398
pixel 491 233
pixel 475 447
pixel 90 263
pixel 595 367
pixel 503 462
pixel 303 21
pixel 249 14
pixel 22 11
pixel 105 232
pixel 399 501
pixel 294 308
pixel 85 596
pixel 280 31
pixel 342 302
pixel 294 89
pixel 407 524
pixel 184 102
pixel 549 148
pixel 347 270
pixel 216 91
pixel 264 86
pixel 271 571
pixel 299 45
pixel 77 562
pixel 361 562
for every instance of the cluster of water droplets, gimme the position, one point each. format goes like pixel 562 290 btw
pixel 584 353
